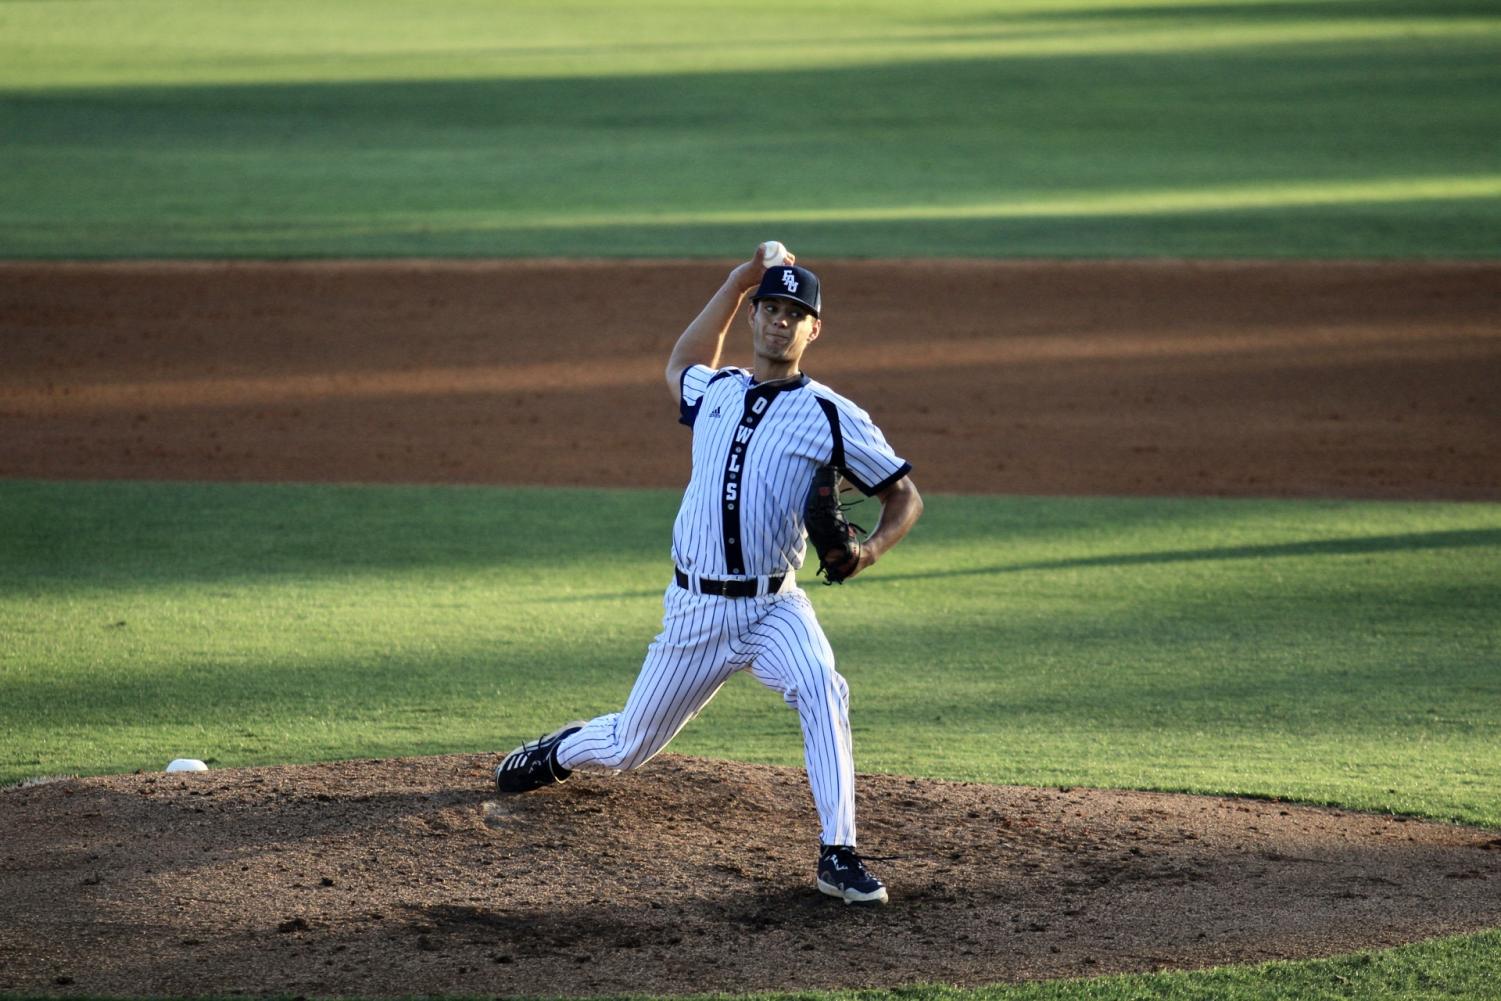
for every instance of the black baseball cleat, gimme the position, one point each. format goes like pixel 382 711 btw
pixel 532 766
pixel 841 874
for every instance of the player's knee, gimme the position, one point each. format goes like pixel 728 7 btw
pixel 828 687
pixel 833 685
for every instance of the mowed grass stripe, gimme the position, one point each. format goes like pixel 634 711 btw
pixel 1340 129
pixel 1331 652
pixel 99 43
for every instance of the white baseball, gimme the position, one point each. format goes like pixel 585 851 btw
pixel 773 253
pixel 186 765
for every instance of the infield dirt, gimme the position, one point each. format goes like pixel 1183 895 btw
pixel 409 878
pixel 1354 380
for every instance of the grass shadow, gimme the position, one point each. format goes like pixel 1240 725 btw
pixel 1354 546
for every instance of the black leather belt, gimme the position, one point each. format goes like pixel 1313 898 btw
pixel 730 588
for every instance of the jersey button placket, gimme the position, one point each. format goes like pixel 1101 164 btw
pixel 750 422
pixel 755 405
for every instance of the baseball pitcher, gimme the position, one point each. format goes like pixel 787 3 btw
pixel 769 445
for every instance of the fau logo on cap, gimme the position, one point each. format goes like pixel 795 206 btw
pixel 789 279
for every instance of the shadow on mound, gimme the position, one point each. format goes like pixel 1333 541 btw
pixel 407 877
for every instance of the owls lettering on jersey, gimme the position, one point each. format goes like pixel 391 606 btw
pixel 754 451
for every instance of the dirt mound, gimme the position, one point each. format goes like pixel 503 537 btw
pixel 408 877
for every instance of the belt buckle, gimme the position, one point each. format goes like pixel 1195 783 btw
pixel 722 588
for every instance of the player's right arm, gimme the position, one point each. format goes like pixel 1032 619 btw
pixel 703 340
pixel 901 506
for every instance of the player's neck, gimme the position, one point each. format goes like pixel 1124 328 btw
pixel 773 372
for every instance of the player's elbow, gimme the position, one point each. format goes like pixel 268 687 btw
pixel 673 373
pixel 903 495
pixel 909 507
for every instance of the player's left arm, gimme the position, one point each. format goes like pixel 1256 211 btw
pixel 901 506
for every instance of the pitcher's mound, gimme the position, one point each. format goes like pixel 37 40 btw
pixel 409 877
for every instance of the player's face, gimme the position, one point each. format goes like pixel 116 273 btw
pixel 782 330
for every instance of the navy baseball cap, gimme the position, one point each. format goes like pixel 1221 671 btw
pixel 788 281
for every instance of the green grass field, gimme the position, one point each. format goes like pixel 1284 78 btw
pixel 167 128
pixel 1330 652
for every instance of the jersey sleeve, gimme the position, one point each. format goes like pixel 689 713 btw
pixel 869 462
pixel 695 379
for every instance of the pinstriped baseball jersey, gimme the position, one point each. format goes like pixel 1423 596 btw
pixel 755 447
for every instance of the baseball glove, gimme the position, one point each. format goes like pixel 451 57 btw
pixel 833 537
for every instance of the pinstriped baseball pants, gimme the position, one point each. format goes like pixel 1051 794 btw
pixel 704 640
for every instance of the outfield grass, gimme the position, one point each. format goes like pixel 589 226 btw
pixel 1342 128
pixel 1323 651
